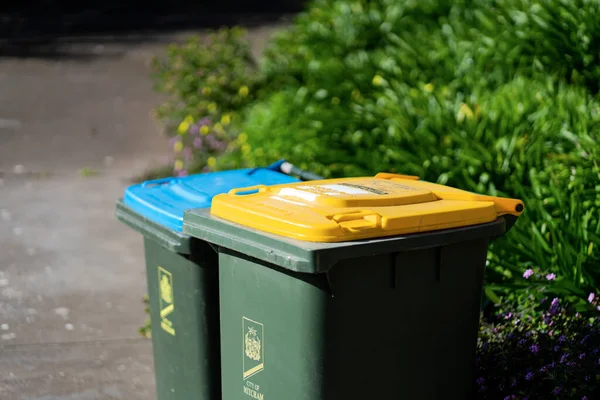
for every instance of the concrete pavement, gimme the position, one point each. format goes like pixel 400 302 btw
pixel 71 276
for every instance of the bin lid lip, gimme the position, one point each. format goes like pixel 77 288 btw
pixel 164 201
pixel 339 210
pixel 318 257
pixel 175 241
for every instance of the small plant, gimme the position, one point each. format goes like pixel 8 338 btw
pixel 207 82
pixel 146 330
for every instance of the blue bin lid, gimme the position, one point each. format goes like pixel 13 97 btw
pixel 164 201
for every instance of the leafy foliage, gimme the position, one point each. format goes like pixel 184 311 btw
pixel 496 97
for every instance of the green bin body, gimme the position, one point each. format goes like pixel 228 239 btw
pixel 182 276
pixel 185 330
pixel 389 318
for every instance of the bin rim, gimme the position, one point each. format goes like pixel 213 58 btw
pixel 174 241
pixel 318 257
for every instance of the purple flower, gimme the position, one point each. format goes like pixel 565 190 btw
pixel 527 274
pixel 564 358
pixel 480 381
pixel 198 142
pixel 204 121
pixel 182 173
pixel 214 143
pixel 591 297
pixel 187 153
pixel 555 302
pixel 534 349
pixel 557 390
pixel 562 339
pixel 529 376
pixel 584 398
pixel 194 129
pixel 551 277
pixel 508 316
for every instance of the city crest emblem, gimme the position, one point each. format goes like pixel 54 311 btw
pixel 165 300
pixel 254 347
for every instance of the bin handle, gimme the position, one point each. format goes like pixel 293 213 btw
pixel 157 182
pixel 370 219
pixel 387 175
pixel 260 188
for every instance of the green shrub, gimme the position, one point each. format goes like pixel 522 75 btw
pixel 496 97
pixel 492 96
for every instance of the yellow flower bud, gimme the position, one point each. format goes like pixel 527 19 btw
pixel 212 107
pixel 178 165
pixel 246 148
pixel 183 127
pixel 244 91
pixel 218 128
pixel 211 162
pixel 178 146
pixel 225 120
pixel 204 129
pixel 242 137
pixel 464 112
pixel 428 88
pixel 206 91
pixel 378 80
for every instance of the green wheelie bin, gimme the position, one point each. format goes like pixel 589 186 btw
pixel 358 288
pixel 182 277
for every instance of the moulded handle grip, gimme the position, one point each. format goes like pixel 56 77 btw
pixel 360 220
pixel 157 182
pixel 259 188
pixel 387 175
pixel 367 215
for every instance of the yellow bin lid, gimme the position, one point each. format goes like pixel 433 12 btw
pixel 338 210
